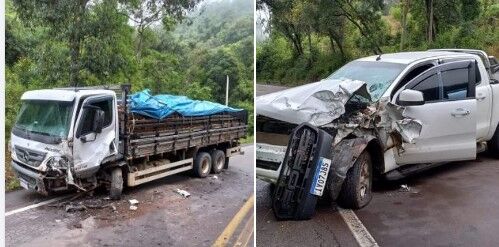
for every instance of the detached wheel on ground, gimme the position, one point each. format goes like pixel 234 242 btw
pixel 202 164
pixel 356 190
pixel 116 184
pixel 217 160
pixel 493 145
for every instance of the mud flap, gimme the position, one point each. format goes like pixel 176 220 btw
pixel 302 179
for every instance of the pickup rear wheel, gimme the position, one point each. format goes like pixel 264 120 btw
pixel 356 190
pixel 202 164
pixel 116 184
pixel 218 160
pixel 493 145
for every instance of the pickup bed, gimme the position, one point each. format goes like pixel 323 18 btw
pixel 389 116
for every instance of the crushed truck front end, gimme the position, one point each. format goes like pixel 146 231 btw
pixel 39 145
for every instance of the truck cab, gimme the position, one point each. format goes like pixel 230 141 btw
pixel 51 125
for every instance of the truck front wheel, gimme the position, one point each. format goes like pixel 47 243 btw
pixel 202 164
pixel 493 145
pixel 356 190
pixel 116 184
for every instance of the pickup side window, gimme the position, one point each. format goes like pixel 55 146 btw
pixel 429 87
pixel 411 75
pixel 447 82
pixel 455 84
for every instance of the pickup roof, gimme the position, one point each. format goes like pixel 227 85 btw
pixel 389 115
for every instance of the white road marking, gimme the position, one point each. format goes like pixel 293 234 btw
pixel 15 211
pixel 359 231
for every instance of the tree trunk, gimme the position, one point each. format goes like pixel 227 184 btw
pixel 405 10
pixel 430 20
pixel 75 43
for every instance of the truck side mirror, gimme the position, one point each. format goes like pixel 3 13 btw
pixel 409 97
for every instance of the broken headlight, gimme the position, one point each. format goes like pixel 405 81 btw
pixel 56 165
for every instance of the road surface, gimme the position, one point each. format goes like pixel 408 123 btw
pixel 217 210
pixel 453 205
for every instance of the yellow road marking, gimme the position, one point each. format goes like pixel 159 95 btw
pixel 246 233
pixel 223 239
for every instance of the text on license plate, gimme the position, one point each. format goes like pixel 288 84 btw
pixel 320 177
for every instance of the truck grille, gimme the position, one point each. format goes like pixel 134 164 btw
pixel 29 157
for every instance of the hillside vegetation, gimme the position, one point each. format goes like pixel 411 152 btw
pixel 308 40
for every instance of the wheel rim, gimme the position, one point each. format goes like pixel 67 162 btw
pixel 205 166
pixel 364 180
pixel 220 162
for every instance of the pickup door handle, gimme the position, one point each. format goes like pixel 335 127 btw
pixel 460 112
pixel 481 97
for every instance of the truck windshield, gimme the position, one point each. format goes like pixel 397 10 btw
pixel 45 117
pixel 378 75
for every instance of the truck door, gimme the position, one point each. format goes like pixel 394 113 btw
pixel 94 140
pixel 448 115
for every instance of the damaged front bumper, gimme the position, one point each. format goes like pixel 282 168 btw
pixel 41 182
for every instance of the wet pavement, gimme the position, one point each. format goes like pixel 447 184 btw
pixel 456 204
pixel 163 217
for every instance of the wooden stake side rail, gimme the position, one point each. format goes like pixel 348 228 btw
pixel 147 136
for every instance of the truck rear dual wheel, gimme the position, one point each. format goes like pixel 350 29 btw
pixel 493 145
pixel 356 191
pixel 116 184
pixel 202 164
pixel 218 161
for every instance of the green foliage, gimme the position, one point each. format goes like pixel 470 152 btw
pixel 332 32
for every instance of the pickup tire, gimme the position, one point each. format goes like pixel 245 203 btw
pixel 202 164
pixel 356 190
pixel 116 184
pixel 217 161
pixel 493 145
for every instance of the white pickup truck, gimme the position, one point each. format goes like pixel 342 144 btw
pixel 388 115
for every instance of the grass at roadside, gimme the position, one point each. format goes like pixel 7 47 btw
pixel 247 140
pixel 11 181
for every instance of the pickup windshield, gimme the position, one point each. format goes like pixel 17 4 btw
pixel 378 75
pixel 45 118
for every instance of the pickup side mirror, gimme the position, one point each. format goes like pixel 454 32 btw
pixel 409 97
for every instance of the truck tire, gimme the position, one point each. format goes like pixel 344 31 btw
pixel 202 164
pixel 356 190
pixel 493 144
pixel 116 184
pixel 217 161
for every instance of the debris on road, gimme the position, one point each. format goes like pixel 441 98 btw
pixel 405 188
pixel 73 207
pixel 133 208
pixel 183 193
pixel 215 177
pixel 133 201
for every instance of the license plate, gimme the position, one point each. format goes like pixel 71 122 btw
pixel 24 183
pixel 320 177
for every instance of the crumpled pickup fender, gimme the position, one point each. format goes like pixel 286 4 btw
pixel 345 153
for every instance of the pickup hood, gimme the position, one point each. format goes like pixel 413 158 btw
pixel 323 104
pixel 316 103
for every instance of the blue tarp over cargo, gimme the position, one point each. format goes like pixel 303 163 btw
pixel 163 105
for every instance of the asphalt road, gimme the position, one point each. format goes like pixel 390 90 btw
pixel 163 217
pixel 453 205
